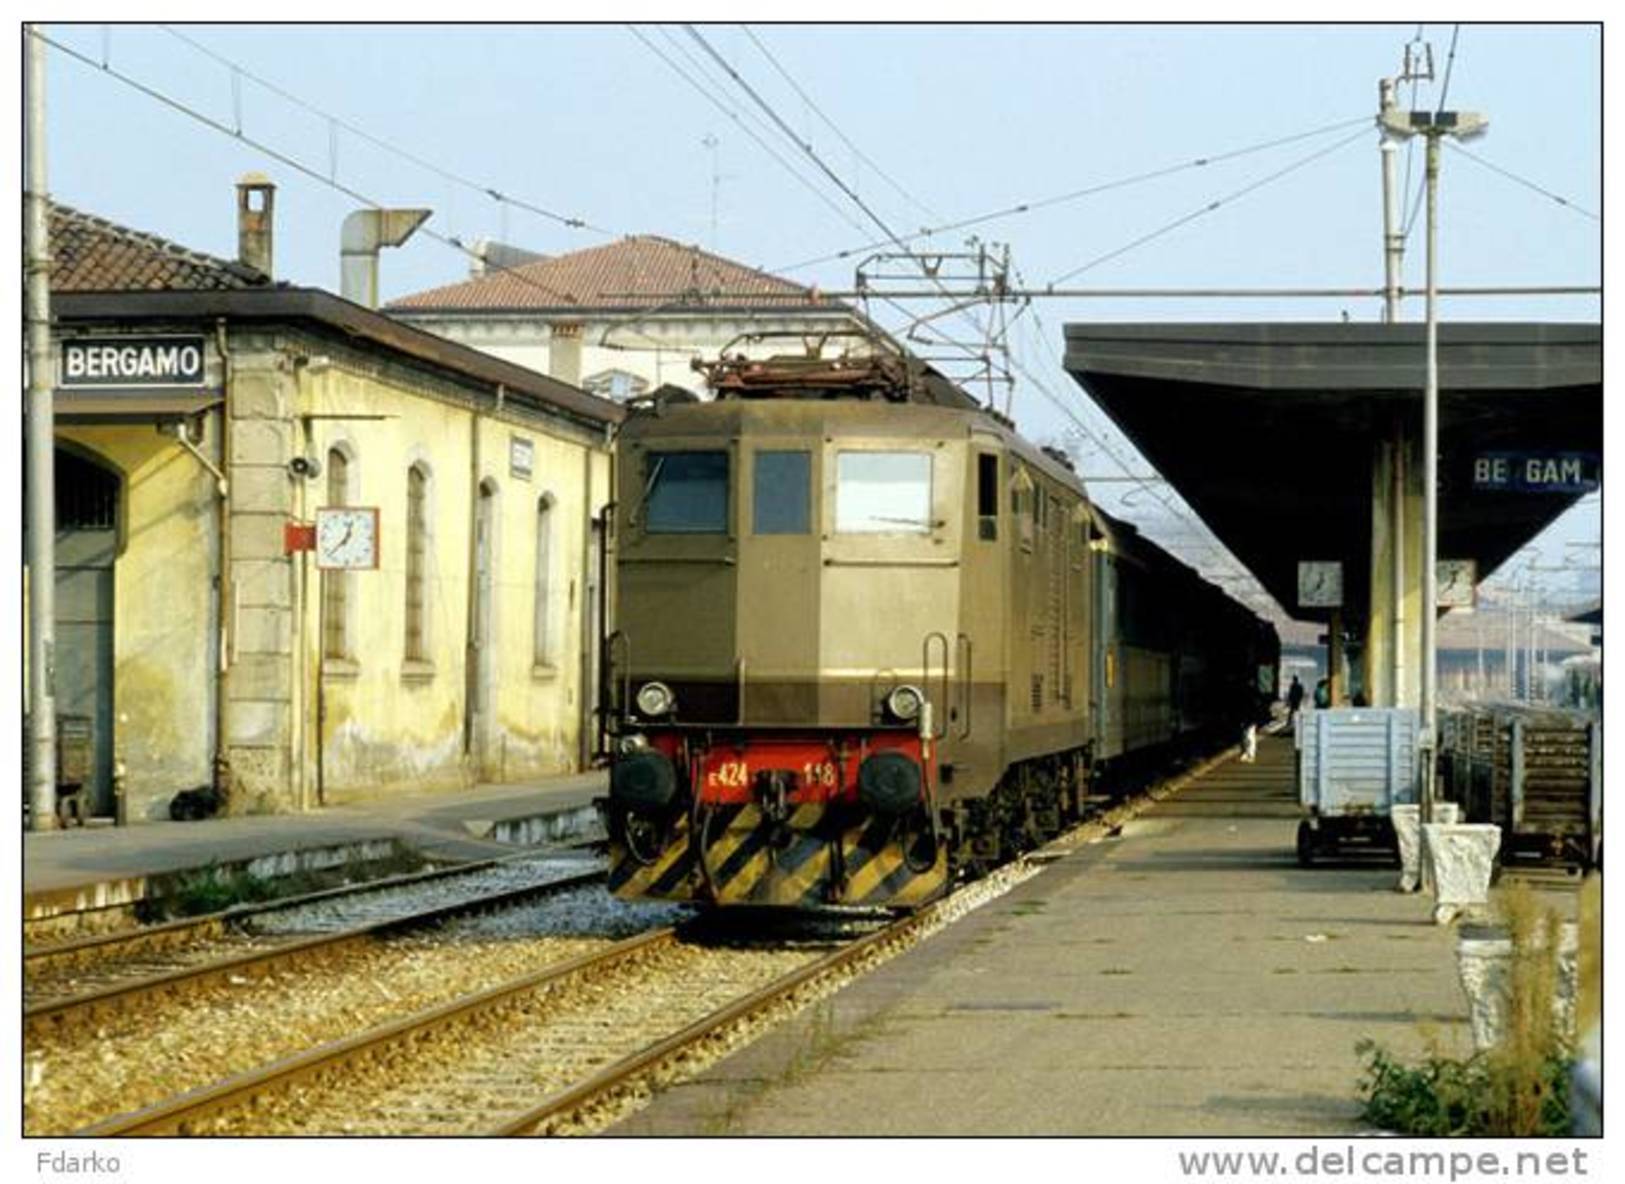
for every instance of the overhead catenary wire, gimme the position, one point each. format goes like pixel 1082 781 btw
pixel 1158 490
pixel 743 126
pixel 835 178
pixel 1449 65
pixel 1027 207
pixel 1209 207
pixel 1525 182
pixel 831 124
pixel 790 134
pixel 336 122
pixel 283 158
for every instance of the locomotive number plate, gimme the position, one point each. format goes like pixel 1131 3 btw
pixel 728 775
pixel 820 773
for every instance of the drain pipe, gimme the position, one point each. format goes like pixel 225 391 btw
pixel 225 618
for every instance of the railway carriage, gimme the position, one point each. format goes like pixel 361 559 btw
pixel 868 638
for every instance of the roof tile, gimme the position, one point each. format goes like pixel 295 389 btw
pixel 638 271
pixel 90 254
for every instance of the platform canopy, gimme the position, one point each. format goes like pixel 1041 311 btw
pixel 1269 430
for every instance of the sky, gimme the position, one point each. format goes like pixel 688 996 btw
pixel 641 130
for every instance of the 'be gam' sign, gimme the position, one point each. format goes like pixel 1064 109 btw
pixel 1537 472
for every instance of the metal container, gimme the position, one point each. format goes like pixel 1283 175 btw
pixel 1354 765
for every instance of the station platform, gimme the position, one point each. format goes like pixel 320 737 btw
pixel 1185 977
pixel 104 867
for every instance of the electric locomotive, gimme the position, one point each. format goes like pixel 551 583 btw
pixel 858 645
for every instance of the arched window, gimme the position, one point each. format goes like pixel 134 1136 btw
pixel 543 655
pixel 417 563
pixel 336 584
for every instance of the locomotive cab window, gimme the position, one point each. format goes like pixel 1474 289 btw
pixel 987 496
pixel 781 495
pixel 883 493
pixel 686 493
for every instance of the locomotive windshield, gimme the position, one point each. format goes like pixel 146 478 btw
pixel 883 493
pixel 687 493
pixel 783 493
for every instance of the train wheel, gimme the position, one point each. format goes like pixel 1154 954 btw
pixel 1307 845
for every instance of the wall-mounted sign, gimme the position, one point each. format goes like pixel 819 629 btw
pixel 131 361
pixel 347 537
pixel 1455 582
pixel 521 458
pixel 1537 472
pixel 1320 583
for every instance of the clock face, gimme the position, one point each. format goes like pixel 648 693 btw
pixel 347 537
pixel 1320 583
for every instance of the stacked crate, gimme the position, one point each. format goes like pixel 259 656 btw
pixel 1534 772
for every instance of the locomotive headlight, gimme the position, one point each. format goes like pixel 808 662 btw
pixel 655 699
pixel 904 703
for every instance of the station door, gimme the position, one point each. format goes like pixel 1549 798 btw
pixel 87 498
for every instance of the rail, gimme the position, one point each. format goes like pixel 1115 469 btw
pixel 623 1072
pixel 81 1007
pixel 180 1114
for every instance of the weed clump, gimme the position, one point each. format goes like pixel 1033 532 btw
pixel 1520 1086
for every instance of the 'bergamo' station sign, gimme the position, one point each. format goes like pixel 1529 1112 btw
pixel 132 361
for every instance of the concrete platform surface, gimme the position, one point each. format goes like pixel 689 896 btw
pixel 1184 978
pixel 451 824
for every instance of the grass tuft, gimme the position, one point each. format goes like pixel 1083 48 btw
pixel 1519 1087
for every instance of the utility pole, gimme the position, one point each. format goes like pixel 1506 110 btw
pixel 1418 66
pixel 1393 250
pixel 1393 242
pixel 41 490
pixel 1432 125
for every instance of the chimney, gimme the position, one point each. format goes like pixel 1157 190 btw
pixel 256 198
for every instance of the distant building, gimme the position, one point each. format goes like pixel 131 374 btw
pixel 1489 653
pixel 624 318
pixel 204 413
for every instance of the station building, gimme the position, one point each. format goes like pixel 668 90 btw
pixel 204 413
pixel 627 317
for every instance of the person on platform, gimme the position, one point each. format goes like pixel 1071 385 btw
pixel 1323 693
pixel 1294 701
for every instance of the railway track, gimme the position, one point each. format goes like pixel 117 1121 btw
pixel 567 1048
pixel 75 980
pixel 125 1057
pixel 528 1056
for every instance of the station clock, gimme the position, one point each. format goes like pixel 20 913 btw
pixel 1320 583
pixel 347 537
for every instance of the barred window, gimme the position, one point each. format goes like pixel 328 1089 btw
pixel 336 584
pixel 544 580
pixel 417 561
pixel 86 494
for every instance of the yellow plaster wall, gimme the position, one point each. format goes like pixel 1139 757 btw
pixel 392 725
